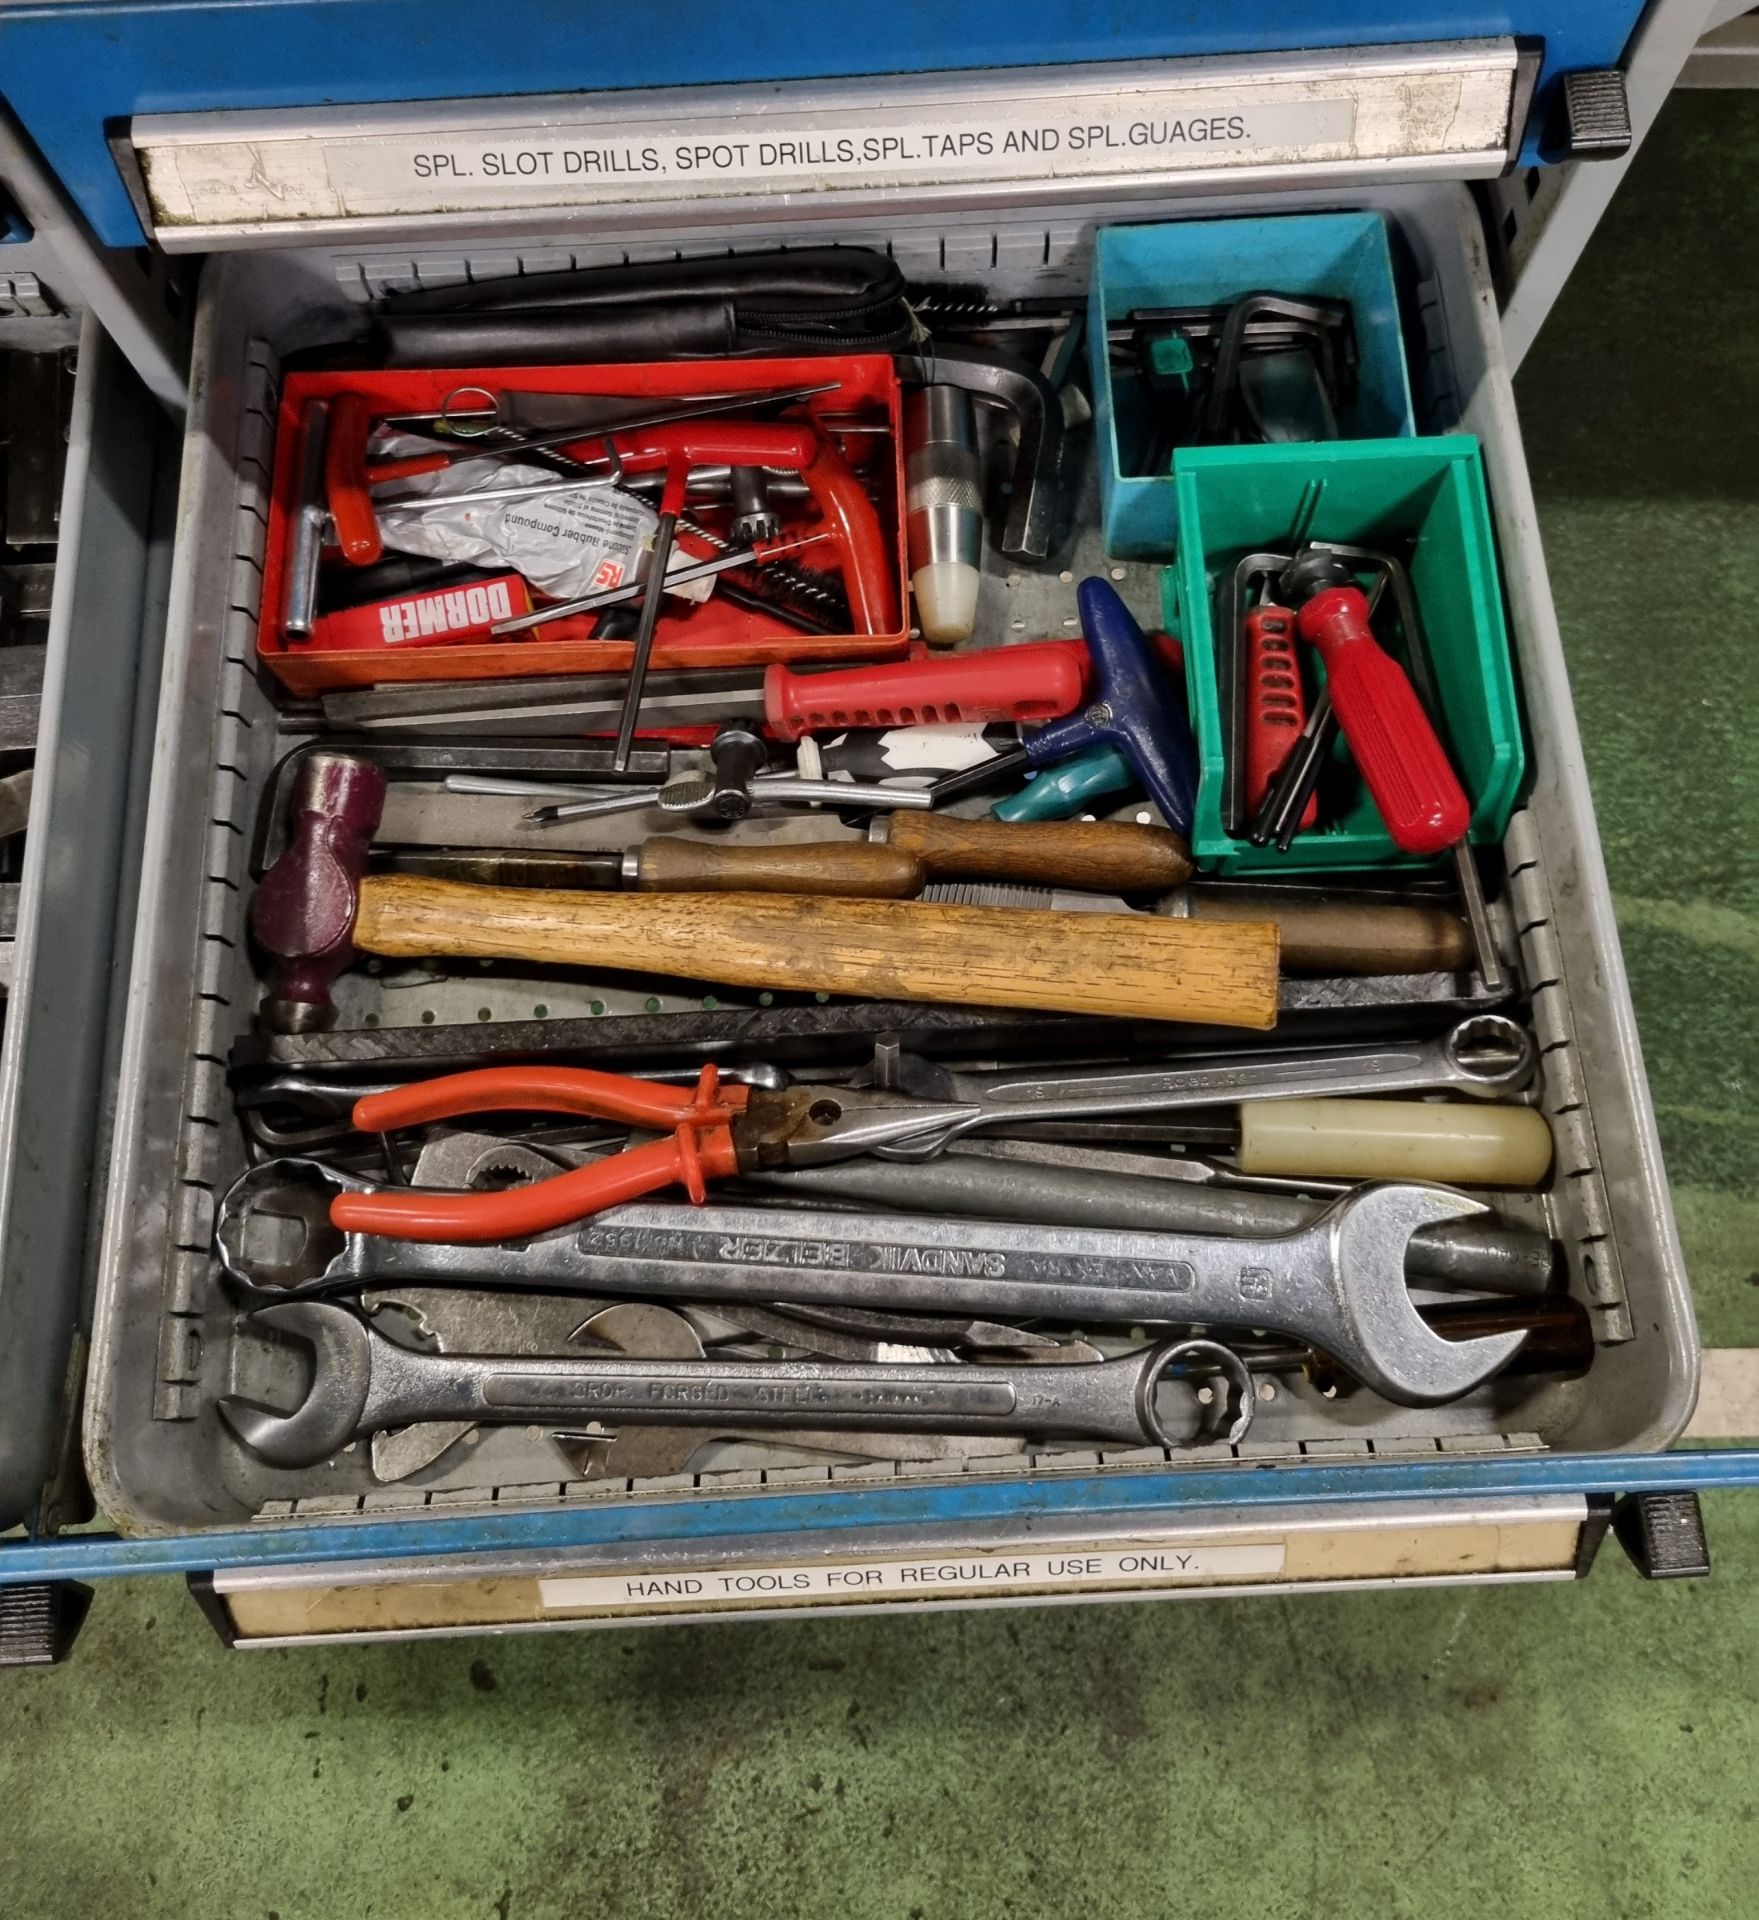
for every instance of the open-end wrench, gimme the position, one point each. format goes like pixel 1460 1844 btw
pixel 362 1382
pixel 1058 1185
pixel 1338 1284
pixel 1062 1185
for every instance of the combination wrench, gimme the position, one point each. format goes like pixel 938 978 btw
pixel 363 1383
pixel 1486 1055
pixel 1338 1284
pixel 447 1322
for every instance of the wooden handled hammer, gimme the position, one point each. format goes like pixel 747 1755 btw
pixel 317 907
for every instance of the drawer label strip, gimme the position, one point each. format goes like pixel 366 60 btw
pixel 1008 1571
pixel 210 175
pixel 810 152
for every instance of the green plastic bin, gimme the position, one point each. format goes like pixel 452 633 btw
pixel 1373 493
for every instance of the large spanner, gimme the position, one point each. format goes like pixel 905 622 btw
pixel 1338 1284
pixel 363 1383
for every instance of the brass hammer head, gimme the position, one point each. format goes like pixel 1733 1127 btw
pixel 302 918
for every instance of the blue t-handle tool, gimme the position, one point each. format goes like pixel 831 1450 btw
pixel 1134 709
pixel 1069 788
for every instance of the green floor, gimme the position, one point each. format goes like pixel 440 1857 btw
pixel 1542 1751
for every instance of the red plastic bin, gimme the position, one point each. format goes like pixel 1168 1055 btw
pixel 716 634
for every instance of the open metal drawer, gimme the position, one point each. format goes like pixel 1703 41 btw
pixel 1542 1454
pixel 53 272
pixel 75 917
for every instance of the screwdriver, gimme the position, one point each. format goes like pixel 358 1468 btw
pixel 1275 819
pixel 1403 763
pixel 1459 1143
pixel 905 854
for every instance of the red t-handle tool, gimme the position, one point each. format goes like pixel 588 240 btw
pixel 868 565
pixel 1029 684
pixel 1405 766
pixel 1276 702
pixel 349 479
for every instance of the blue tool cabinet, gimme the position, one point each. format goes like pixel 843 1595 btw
pixel 289 153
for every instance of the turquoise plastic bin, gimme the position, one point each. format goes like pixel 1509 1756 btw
pixel 1235 500
pixel 1335 256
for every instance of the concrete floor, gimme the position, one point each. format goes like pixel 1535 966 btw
pixel 1559 1751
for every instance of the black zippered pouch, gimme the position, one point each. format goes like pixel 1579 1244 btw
pixel 829 299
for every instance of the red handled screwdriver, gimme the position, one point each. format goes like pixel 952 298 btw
pixel 1406 769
